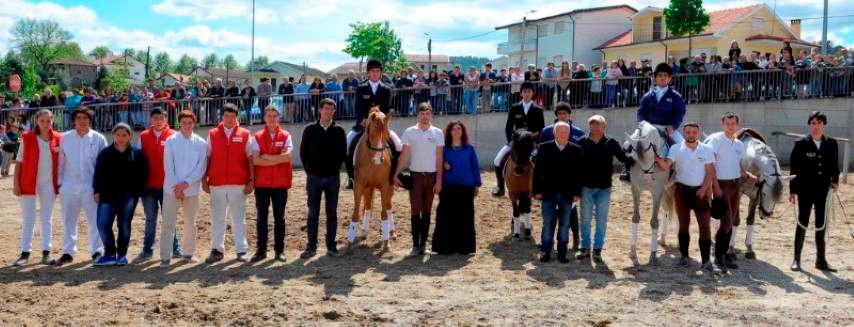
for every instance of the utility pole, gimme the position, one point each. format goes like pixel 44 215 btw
pixel 824 31
pixel 147 62
pixel 522 61
pixel 429 52
pixel 252 61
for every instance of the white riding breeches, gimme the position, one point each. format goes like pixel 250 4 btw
pixel 501 153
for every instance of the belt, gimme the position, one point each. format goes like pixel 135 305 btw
pixel 683 186
pixel 729 181
pixel 422 173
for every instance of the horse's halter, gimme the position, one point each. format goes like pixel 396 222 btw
pixel 759 196
pixel 643 150
pixel 368 139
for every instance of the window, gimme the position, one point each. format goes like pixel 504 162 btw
pixel 758 24
pixel 558 27
pixel 542 30
pixel 656 28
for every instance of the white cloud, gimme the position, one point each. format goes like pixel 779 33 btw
pixel 203 9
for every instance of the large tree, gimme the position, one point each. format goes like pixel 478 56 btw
pixel 38 40
pixel 69 50
pixel 229 62
pixel 376 40
pixel 210 61
pixel 186 64
pixel 260 62
pixel 100 52
pixel 686 17
pixel 162 63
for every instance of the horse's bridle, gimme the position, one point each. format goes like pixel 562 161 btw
pixel 759 195
pixel 654 149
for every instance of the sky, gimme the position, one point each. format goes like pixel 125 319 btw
pixel 314 31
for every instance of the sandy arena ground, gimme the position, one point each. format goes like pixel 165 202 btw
pixel 503 284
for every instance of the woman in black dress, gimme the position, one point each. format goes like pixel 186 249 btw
pixel 455 232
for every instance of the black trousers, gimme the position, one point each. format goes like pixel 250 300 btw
pixel 807 200
pixel 455 232
pixel 278 197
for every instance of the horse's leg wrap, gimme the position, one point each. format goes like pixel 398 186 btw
pixel 385 227
pixel 716 224
pixel 351 231
pixel 748 239
pixel 517 225
pixel 653 241
pixel 528 222
pixel 390 221
pixel 634 239
pixel 732 238
pixel 663 227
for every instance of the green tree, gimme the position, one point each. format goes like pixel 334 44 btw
pixel 210 61
pixel 116 77
pixel 38 40
pixel 260 62
pixel 100 52
pixel 186 64
pixel 162 63
pixel 229 62
pixel 129 52
pixel 29 82
pixel 376 40
pixel 686 17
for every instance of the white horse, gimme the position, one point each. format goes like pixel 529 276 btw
pixel 645 144
pixel 760 161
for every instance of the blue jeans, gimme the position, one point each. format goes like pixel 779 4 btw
pixel 470 101
pixel 152 202
pixel 611 93
pixel 316 186
pixel 594 200
pixel 555 206
pixel 108 212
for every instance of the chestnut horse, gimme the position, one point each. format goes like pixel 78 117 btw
pixel 373 164
pixel 519 174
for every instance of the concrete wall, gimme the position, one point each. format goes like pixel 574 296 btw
pixel 487 130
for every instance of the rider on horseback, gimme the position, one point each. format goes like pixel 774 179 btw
pixel 662 107
pixel 370 94
pixel 525 115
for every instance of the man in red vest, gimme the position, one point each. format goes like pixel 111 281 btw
pixel 36 177
pixel 152 142
pixel 229 178
pixel 271 155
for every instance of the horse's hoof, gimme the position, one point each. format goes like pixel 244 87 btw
pixel 653 259
pixel 517 237
pixel 527 234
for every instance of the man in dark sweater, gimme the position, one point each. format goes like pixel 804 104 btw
pixel 599 152
pixel 557 182
pixel 322 151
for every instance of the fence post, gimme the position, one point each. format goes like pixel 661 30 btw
pixel 846 152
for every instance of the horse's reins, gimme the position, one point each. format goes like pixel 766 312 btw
pixel 651 169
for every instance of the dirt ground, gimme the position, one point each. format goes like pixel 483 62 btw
pixel 503 284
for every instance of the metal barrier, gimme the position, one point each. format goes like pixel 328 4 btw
pixel 729 86
pixel 846 149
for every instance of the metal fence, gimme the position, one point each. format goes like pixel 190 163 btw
pixel 758 85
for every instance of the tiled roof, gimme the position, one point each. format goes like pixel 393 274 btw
pixel 718 20
pixel 781 39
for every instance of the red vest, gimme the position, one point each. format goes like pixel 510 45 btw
pixel 30 162
pixel 278 176
pixel 228 163
pixel 152 147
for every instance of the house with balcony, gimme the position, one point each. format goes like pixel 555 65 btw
pixel 755 28
pixel 566 36
pixel 135 69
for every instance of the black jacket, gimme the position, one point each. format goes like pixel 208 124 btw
pixel 120 174
pixel 516 119
pixel 557 171
pixel 365 99
pixel 322 151
pixel 599 161
pixel 814 169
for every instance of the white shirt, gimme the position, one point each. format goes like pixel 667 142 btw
pixel 374 86
pixel 690 164
pixel 422 147
pixel 817 143
pixel 526 106
pixel 43 176
pixel 728 155
pixel 77 157
pixel 184 160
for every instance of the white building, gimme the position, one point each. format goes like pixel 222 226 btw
pixel 136 69
pixel 564 37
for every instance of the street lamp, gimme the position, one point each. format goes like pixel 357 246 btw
pixel 522 60
pixel 429 52
pixel 252 60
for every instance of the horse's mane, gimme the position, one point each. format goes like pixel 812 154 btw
pixel 744 132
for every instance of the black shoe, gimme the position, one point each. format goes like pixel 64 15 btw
pixel 721 264
pixel 823 266
pixel 22 260
pixel 729 263
pixel 527 234
pixel 242 257
pixel 333 253
pixel 498 192
pixel 563 259
pixel 308 253
pixel 46 259
pixel 96 256
pixel 280 257
pixel 259 256
pixel 796 265
pixel 65 258
pixel 583 254
pixel 214 257
pixel 597 256
pixel 684 262
pixel 545 257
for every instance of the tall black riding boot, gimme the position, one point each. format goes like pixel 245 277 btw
pixel 684 242
pixel 499 180
pixel 821 259
pixel 799 245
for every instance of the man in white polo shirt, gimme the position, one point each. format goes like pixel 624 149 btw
pixel 695 171
pixel 729 152
pixel 423 144
pixel 78 151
